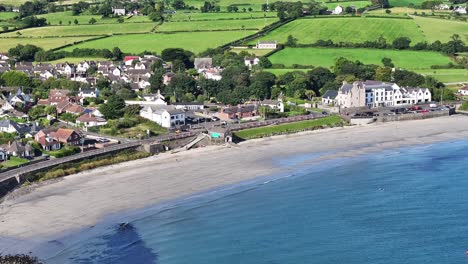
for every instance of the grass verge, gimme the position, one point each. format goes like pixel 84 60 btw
pixel 330 121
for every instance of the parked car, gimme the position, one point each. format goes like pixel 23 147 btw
pixel 214 118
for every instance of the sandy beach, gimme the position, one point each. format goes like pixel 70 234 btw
pixel 82 200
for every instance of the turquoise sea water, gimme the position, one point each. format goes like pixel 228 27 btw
pixel 400 206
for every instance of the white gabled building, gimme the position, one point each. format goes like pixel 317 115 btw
pixel 338 10
pixel 267 44
pixel 165 116
pixel 379 94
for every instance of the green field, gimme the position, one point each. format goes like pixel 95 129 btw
pixel 256 52
pixel 255 24
pixel 357 30
pixel 405 2
pixel 75 60
pixel 7 15
pixel 84 30
pixel 45 43
pixel 326 57
pixel 20 2
pixel 441 29
pixel 279 72
pixel 447 75
pixel 193 41
pixel 197 15
pixel 54 18
pixel 331 121
pixel 357 4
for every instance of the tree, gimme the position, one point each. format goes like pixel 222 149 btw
pixel 180 85
pixel 24 52
pixel 350 10
pixel 407 78
pixel 117 53
pixel 120 20
pixel 387 62
pixel 292 41
pixel 265 63
pixel 92 21
pixel 75 22
pixel 401 43
pixel 178 4
pixel 383 74
pixel 105 9
pixel 114 108
pixel 388 11
pixel 309 94
pixel 60 22
pixel 261 85
pixel 14 78
pixel 318 77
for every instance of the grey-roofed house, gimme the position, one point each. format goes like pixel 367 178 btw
pixel 202 64
pixel 165 115
pixel 10 126
pixel 329 97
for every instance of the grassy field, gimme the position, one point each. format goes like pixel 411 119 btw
pixel 45 43
pixel 279 72
pixel 55 18
pixel 194 41
pixel 357 4
pixel 14 161
pixel 7 15
pixel 326 57
pixel 346 29
pixel 255 24
pixel 441 29
pixel 447 75
pixel 197 15
pixel 84 30
pixel 405 2
pixel 20 2
pixel 256 52
pixel 260 132
pixel 75 60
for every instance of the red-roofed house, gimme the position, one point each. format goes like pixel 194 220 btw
pixel 129 59
pixel 67 136
pixel 89 120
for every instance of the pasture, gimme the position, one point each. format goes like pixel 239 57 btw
pixel 45 43
pixel 75 60
pixel 55 18
pixel 352 29
pixel 447 75
pixel 256 52
pixel 7 15
pixel 197 15
pixel 441 29
pixel 405 2
pixel 326 57
pixel 84 30
pixel 255 24
pixel 357 4
pixel 192 41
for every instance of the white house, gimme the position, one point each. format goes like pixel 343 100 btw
pixel 88 93
pixel 82 67
pixel 88 120
pixel 192 106
pixel 165 116
pixel 463 91
pixel 329 97
pixel 46 75
pixel 65 69
pixel 338 10
pixel 119 11
pixel 443 7
pixel 250 62
pixel 378 94
pixel 267 44
pixel 213 74
pixel 202 64
pixel 156 99
pixel 274 104
pixel 460 10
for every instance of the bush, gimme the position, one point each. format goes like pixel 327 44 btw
pixel 65 151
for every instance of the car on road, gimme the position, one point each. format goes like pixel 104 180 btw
pixel 214 118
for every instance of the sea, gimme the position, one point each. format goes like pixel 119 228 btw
pixel 404 205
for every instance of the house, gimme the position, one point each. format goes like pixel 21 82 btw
pixel 3 155
pixel 167 78
pixel 213 74
pixel 165 116
pixel 10 126
pixel 88 93
pixel 267 45
pixel 192 106
pixel 238 112
pixel 463 91
pixel 48 143
pixel 273 104
pixel 378 94
pixel 18 149
pixel 89 120
pixel 128 60
pixel 73 109
pixel 67 136
pixel 56 96
pixel 157 98
pixel 119 11
pixel 19 97
pixel 44 75
pixel 250 62
pixel 65 69
pixel 5 105
pixel 443 7
pixel 202 64
pixel 4 57
pixel 82 67
pixel 460 10
pixel 338 10
pixel 329 97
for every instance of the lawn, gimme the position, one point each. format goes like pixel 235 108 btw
pixel 254 4
pixel 193 41
pixel 84 30
pixel 260 132
pixel 357 4
pixel 7 15
pixel 358 30
pixel 255 24
pixel 441 29
pixel 14 161
pixel 326 57
pixel 45 43
pixel 405 2
pixel 256 52
pixel 447 75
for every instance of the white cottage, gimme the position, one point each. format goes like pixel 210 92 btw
pixel 165 116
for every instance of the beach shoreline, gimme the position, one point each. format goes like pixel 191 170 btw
pixel 82 200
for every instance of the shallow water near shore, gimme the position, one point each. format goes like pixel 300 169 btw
pixel 406 205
